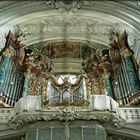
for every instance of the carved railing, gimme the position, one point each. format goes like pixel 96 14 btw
pixel 130 114
pixel 6 114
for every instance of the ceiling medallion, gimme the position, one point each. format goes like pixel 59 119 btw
pixel 65 6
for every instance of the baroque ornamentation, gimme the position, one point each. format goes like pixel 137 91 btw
pixel 8 53
pixel 98 68
pixel 126 52
pixel 65 5
pixel 66 115
pixel 71 25
pixel 6 114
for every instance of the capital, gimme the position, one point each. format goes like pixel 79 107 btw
pixel 8 53
pixel 106 75
pixel 126 53
pixel 28 74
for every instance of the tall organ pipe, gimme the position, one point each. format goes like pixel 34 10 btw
pixel 127 89
pixel 8 99
pixel 18 91
pixel 120 87
pixel 7 79
pixel 127 78
pixel 131 72
pixel 13 89
pixel 4 69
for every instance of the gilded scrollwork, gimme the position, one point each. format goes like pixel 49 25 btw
pixel 44 87
pixel 101 85
pixel 98 68
pixel 34 86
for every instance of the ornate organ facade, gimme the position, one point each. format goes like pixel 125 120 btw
pixel 66 84
pixel 68 73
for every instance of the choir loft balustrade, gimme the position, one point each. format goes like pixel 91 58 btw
pixel 129 114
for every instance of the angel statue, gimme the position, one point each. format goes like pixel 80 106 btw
pixel 66 88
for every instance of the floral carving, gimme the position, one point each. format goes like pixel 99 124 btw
pixel 65 5
pixel 66 115
pixel 69 25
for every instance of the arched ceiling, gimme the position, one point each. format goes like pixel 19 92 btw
pixel 86 20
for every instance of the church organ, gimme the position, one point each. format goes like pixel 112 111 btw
pixel 34 72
